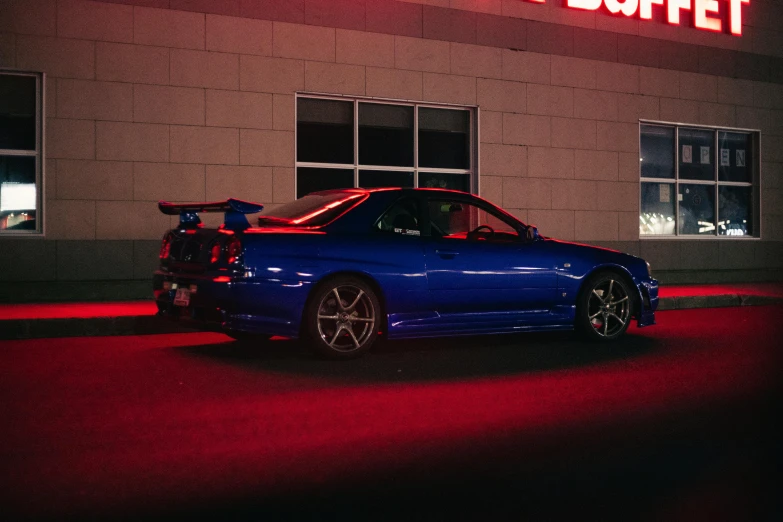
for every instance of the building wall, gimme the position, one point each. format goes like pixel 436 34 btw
pixel 194 100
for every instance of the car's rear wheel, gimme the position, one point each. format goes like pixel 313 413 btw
pixel 342 318
pixel 603 310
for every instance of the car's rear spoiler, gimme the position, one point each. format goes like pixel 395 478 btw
pixel 234 210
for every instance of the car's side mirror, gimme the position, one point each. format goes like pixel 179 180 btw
pixel 532 233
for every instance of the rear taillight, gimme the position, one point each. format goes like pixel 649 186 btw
pixel 165 247
pixel 233 249
pixel 214 253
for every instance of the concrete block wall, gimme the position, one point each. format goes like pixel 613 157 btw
pixel 192 100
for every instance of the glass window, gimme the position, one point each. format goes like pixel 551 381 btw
pixel 657 151
pixel 446 181
pixel 324 131
pixel 311 210
pixel 313 180
pixel 377 144
pixel 385 135
pixel 20 153
pixel 657 212
pixel 464 221
pixel 680 185
pixel 697 209
pixel 736 156
pixel 697 154
pixel 384 178
pixel 734 209
pixel 444 138
pixel 402 218
pixel 17 112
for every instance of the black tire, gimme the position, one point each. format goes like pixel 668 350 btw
pixel 247 337
pixel 604 307
pixel 342 318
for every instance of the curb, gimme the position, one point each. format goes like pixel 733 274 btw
pixel 716 301
pixel 151 324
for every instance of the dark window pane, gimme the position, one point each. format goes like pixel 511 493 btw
pixel 312 180
pixel 17 112
pixel 324 131
pixel 697 154
pixel 657 151
pixel 459 220
pixel 697 209
pixel 444 138
pixel 447 181
pixel 18 193
pixel 402 218
pixel 734 214
pixel 735 156
pixel 385 135
pixel 381 178
pixel 657 213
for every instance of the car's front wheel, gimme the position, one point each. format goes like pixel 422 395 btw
pixel 342 318
pixel 603 310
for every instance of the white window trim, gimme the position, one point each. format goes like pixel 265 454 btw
pixel 356 166
pixel 39 153
pixel 716 182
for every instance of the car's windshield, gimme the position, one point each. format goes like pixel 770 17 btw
pixel 311 210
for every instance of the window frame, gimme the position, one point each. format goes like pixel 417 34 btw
pixel 38 154
pixel 356 167
pixel 755 183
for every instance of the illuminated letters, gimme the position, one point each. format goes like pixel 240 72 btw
pixel 706 13
pixel 627 7
pixel 701 20
pixel 645 8
pixel 590 5
pixel 735 16
pixel 673 10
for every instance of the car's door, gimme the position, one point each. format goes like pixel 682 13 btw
pixel 477 261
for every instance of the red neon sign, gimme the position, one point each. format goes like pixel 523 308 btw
pixel 705 12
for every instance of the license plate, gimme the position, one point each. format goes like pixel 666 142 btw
pixel 182 298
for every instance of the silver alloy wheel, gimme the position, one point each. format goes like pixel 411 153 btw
pixel 608 308
pixel 346 318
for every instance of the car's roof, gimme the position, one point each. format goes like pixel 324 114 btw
pixel 361 190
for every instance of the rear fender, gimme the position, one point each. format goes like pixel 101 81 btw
pixel 367 278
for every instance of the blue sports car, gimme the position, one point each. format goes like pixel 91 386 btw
pixel 339 268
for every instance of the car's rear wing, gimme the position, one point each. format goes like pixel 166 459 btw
pixel 234 210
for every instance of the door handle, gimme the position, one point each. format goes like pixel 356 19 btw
pixel 446 253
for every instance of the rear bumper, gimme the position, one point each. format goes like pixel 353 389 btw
pixel 648 291
pixel 262 307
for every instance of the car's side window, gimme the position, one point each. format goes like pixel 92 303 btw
pixel 402 218
pixel 452 219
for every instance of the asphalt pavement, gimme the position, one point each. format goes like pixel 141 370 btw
pixel 676 422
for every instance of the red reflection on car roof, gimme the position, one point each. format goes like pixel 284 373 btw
pixel 323 209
